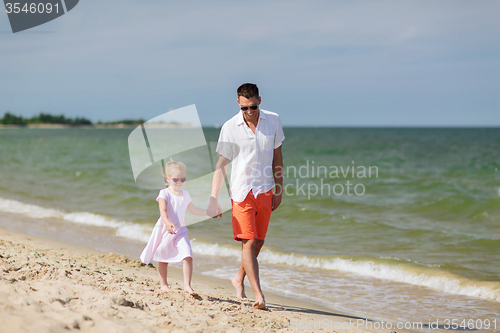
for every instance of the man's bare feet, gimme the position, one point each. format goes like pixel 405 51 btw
pixel 259 304
pixel 240 289
pixel 166 288
pixel 190 291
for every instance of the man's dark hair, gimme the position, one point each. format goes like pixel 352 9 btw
pixel 248 90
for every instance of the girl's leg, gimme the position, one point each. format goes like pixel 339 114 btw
pixel 162 271
pixel 187 268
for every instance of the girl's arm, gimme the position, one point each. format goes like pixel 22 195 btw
pixel 196 211
pixel 163 212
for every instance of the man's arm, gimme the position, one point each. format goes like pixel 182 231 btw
pixel 214 209
pixel 278 177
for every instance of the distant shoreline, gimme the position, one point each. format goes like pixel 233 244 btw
pixel 55 126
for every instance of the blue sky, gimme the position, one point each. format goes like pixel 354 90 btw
pixel 317 63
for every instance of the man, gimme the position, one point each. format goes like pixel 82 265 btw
pixel 252 141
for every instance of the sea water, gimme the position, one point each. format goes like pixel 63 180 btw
pixel 396 222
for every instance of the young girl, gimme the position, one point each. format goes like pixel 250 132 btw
pixel 169 241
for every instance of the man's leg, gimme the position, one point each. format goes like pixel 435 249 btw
pixel 251 267
pixel 250 223
pixel 239 279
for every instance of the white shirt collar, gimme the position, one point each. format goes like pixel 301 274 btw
pixel 241 120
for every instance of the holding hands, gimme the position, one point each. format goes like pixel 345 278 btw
pixel 214 210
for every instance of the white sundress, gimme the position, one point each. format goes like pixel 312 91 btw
pixel 163 246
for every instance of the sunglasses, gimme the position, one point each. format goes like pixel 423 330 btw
pixel 253 107
pixel 177 179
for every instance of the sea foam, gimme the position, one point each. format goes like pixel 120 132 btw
pixel 397 272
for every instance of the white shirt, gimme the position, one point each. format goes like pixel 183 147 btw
pixel 251 153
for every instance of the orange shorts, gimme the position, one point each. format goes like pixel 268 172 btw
pixel 251 216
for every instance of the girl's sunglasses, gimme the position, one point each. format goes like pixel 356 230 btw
pixel 253 107
pixel 177 179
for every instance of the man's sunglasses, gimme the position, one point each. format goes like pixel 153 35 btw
pixel 253 107
pixel 177 179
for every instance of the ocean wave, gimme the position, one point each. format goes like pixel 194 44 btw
pixel 398 272
pixel 33 211
pixel 123 228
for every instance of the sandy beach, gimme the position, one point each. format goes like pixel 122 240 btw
pixel 51 286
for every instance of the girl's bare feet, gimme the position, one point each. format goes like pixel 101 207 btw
pixel 166 288
pixel 240 289
pixel 259 304
pixel 190 291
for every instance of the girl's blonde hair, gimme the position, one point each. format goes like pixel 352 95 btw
pixel 172 166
